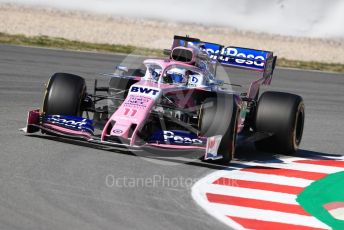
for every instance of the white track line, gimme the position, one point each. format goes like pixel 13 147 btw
pixel 204 203
pixel 267 178
pixel 268 215
pixel 301 167
pixel 221 211
pixel 249 193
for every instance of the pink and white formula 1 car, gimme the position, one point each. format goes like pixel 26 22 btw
pixel 176 103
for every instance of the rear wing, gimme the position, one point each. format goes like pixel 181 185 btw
pixel 238 57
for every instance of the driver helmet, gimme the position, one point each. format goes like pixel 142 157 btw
pixel 177 76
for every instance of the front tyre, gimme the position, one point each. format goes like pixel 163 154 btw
pixel 64 95
pixel 219 116
pixel 282 115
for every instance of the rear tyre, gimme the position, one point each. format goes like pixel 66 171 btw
pixel 281 114
pixel 218 116
pixel 64 95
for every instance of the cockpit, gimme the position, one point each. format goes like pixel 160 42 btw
pixel 175 74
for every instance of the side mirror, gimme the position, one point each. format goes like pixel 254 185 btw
pixel 122 68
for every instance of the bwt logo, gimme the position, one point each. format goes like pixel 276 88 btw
pixel 144 90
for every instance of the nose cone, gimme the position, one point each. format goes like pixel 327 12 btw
pixel 132 113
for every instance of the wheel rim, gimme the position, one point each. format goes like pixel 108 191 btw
pixel 299 123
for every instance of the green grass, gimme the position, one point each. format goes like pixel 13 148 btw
pixel 53 42
pixel 311 65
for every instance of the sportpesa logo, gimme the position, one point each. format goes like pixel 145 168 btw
pixel 235 55
pixel 180 138
pixel 57 119
pixel 70 122
pixel 233 52
pixel 240 56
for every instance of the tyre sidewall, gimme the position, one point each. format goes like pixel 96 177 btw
pixel 219 117
pixel 277 114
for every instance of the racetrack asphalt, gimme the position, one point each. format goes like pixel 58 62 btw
pixel 57 184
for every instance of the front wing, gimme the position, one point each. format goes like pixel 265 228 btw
pixel 81 129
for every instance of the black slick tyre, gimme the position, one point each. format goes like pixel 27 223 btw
pixel 218 116
pixel 282 115
pixel 64 95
